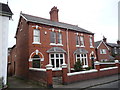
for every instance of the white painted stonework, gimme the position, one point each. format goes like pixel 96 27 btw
pixel 4 25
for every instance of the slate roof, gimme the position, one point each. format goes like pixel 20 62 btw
pixel 80 51
pixel 40 20
pixel 5 10
pixel 113 44
pixel 56 50
pixel 97 44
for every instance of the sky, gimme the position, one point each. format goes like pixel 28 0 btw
pixel 97 16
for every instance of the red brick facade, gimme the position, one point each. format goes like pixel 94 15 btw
pixel 26 49
pixel 102 56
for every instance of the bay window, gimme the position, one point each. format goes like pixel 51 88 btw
pixel 83 59
pixel 56 59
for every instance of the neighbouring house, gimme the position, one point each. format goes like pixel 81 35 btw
pixel 41 41
pixel 114 48
pixel 11 60
pixel 5 16
pixel 103 51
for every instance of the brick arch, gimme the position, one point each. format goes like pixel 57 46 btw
pixel 36 52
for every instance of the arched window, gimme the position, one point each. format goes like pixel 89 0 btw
pixel 36 61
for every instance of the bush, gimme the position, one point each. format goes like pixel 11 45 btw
pixel 78 66
pixel 88 68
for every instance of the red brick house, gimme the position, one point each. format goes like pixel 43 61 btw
pixel 114 48
pixel 102 51
pixel 42 41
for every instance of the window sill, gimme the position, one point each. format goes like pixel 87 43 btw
pixel 79 46
pixel 56 69
pixel 91 47
pixel 36 43
pixel 54 44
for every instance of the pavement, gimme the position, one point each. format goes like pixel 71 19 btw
pixel 91 83
pixel 14 82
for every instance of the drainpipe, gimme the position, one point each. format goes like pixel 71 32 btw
pixel 68 58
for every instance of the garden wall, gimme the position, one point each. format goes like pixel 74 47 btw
pixel 38 75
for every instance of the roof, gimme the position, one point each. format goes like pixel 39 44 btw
pixel 113 44
pixel 5 10
pixel 40 20
pixel 97 44
pixel 56 50
pixel 80 51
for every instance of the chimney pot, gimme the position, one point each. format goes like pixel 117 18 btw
pixel 104 39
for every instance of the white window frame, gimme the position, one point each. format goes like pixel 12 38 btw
pixel 60 66
pixel 38 36
pixel 83 59
pixel 54 37
pixel 103 51
pixel 77 41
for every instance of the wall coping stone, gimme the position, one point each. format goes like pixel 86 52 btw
pixel 103 69
pixel 82 72
pixel 37 69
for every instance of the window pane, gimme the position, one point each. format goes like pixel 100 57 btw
pixel 52 55
pixel 57 55
pixel 91 41
pixel 81 55
pixel 52 61
pixel 78 55
pixel 85 61
pixel 36 39
pixel 59 38
pixel 81 40
pixel 57 62
pixel 61 61
pixel 52 37
pixel 61 55
pixel 77 40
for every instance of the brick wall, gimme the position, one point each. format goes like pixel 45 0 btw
pixel 102 56
pixel 39 76
pixel 22 49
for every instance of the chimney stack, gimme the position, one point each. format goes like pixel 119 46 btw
pixel 54 14
pixel 104 39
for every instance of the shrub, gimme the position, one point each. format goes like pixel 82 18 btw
pixel 88 68
pixel 78 66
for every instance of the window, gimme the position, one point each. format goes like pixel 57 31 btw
pixel 59 38
pixel 53 37
pixel 36 36
pixel 102 51
pixel 83 59
pixel 77 40
pixel 115 50
pixel 91 44
pixel 57 60
pixel 81 41
pixel 36 61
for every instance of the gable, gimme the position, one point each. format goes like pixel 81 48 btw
pixel 102 44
